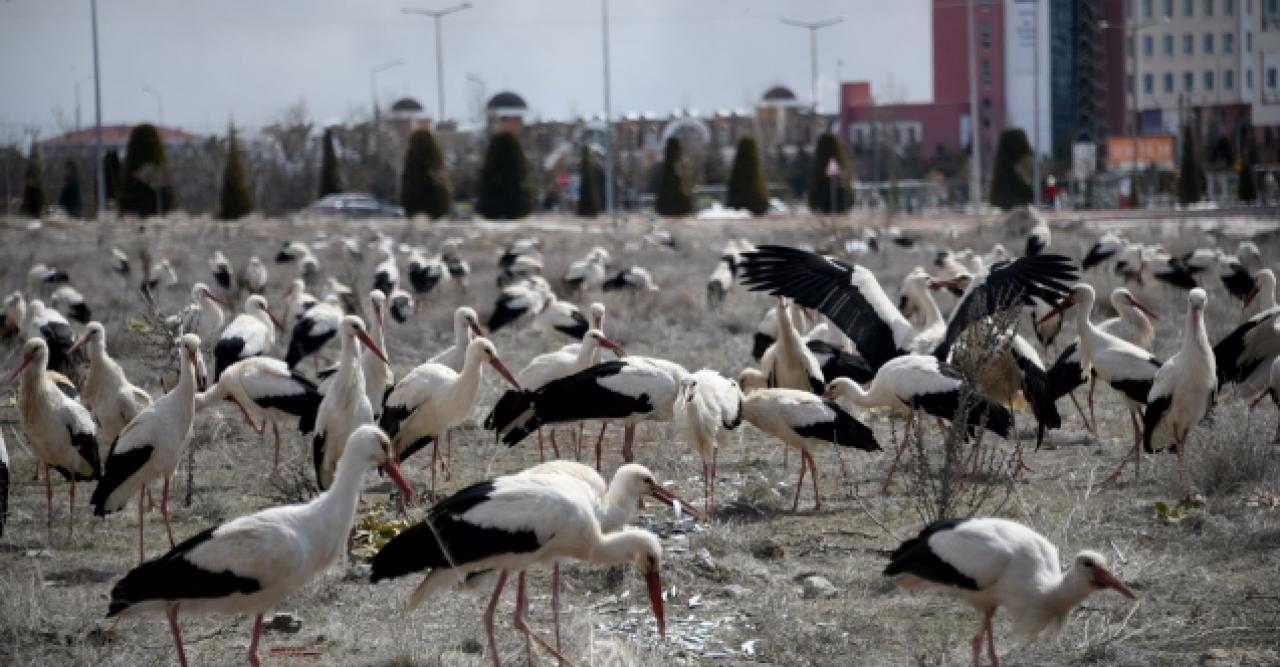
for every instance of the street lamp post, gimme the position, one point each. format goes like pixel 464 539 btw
pixel 813 27
pixel 975 152
pixel 159 104
pixel 608 113
pixel 79 83
pixel 373 96
pixel 97 115
pixel 436 15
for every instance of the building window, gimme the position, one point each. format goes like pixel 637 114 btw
pixel 1188 7
pixel 1168 82
pixel 984 32
pixel 1148 84
pixel 1208 79
pixel 1188 82
pixel 1208 7
pixel 1248 42
pixel 1208 43
pixel 1271 77
pixel 1229 79
pixel 1248 7
pixel 1248 79
pixel 1128 47
pixel 1168 8
pixel 1146 9
pixel 1148 45
pixel 1128 8
pixel 1188 44
pixel 1128 83
pixel 986 74
pixel 1168 45
pixel 1228 7
pixel 1228 42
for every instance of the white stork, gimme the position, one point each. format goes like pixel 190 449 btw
pixel 766 333
pixel 265 388
pixel 1127 368
pixel 386 275
pixel 42 275
pixel 798 418
pixel 252 563
pixel 1272 390
pixel 160 276
pixel 250 334
pixel 1185 386
pixel 220 269
pixel 345 406
pixel 256 276
pixel 543 369
pixel 788 363
pixel 587 273
pixel 400 305
pixel 636 278
pixel 110 397
pixel 1040 236
pixel 70 302
pixel 1133 324
pixel 517 300
pixel 1105 248
pixel 119 262
pixel 297 252
pixel 510 524
pixel 15 313
pixel 992 563
pixel 317 326
pixel 633 389
pixel 151 445
pixel 425 273
pixel 459 269
pixel 204 316
pixel 706 409
pixel 720 283
pixel 558 316
pixel 433 398
pixel 918 382
pixel 378 376
pixel 344 293
pixel 60 430
pixel 1237 271
pixel 296 302
pixel 466 325
pixel 48 324
pixel 522 266
pixel 1244 356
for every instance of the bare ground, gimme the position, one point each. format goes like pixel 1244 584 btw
pixel 1206 582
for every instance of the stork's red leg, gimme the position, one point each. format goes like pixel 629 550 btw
pixel 628 440
pixel 1093 382
pixel 164 511
pixel 172 613
pixel 799 483
pixel 991 639
pixel 813 476
pixel 435 455
pixel 522 623
pixel 555 600
pixel 715 453
pixel 555 447
pixel 275 462
pixel 488 618
pixel 600 443
pixel 253 643
pixel 542 456
pixel 446 464
pixel 1088 426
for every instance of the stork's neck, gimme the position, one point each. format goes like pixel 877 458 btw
pixel 348 373
pixel 1266 297
pixel 617 548
pixel 461 334
pixel 786 327
pixel 617 506
pixel 586 353
pixel 468 379
pixel 186 380
pixel 1063 596
pixel 1196 340
pixel 336 507
pixel 929 307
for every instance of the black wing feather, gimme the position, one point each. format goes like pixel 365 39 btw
pixel 916 558
pixel 173 577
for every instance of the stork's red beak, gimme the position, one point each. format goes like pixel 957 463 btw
pixel 197 366
pixel 377 314
pixel 944 283
pixel 475 328
pixel 1248 298
pixel 1102 578
pixel 373 347
pixel 1144 309
pixel 393 471
pixel 18 371
pixel 670 499
pixel 79 343
pixel 216 299
pixel 1062 306
pixel 617 349
pixel 502 370
pixel 655 598
pixel 274 319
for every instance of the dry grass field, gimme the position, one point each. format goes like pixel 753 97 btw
pixel 1208 577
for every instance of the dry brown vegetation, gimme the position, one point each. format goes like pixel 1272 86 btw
pixel 1206 576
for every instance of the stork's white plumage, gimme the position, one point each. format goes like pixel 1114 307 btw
pixel 425 273
pixel 798 418
pixel 70 302
pixel 1272 390
pixel 110 397
pixel 706 409
pixel 1040 236
pixel 510 524
pixel 1185 386
pixel 42 275
pixel 587 273
pixel 466 325
pixel 220 269
pixel 562 317
pixel 119 262
pixel 151 445
pixel 317 326
pixel 378 377
pixel 459 268
pixel 1105 248
pixel 788 363
pixel 433 398
pixel 48 324
pixel 15 313
pixel 720 283
pixel 400 305
pixel 266 389
pixel 518 300
pixel 346 405
pixel 1244 356
pixel 993 563
pixel 1237 271
pixel 344 294
pixel 256 276
pixel 386 276
pixel 636 278
pixel 920 382
pixel 252 563
pixel 296 302
pixel 4 484
pixel 298 253
pixel 160 276
pixel 59 430
pixel 250 334
pixel 203 316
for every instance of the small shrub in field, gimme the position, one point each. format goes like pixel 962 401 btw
pixel 1189 174
pixel 70 198
pixel 820 185
pixel 237 199
pixel 111 173
pixel 674 198
pixel 1010 177
pixel 589 188
pixel 34 199
pixel 747 189
pixel 424 187
pixel 506 186
pixel 330 174
pixel 146 187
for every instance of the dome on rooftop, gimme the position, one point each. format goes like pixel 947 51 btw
pixel 779 94
pixel 506 100
pixel 406 105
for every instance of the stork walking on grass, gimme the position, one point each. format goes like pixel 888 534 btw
pixel 266 390
pixel 203 316
pixel 345 406
pixel 1244 356
pixel 251 334
pixel 993 563
pixel 707 408
pixel 466 325
pixel 251 564
pixel 110 397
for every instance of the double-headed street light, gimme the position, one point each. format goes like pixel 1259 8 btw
pixel 436 15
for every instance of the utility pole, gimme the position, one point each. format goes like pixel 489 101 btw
pixel 975 153
pixel 813 27
pixel 608 115
pixel 97 116
pixel 1035 104
pixel 436 15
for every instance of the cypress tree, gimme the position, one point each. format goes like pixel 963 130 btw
pixel 330 176
pixel 146 187
pixel 70 198
pixel 820 185
pixel 34 199
pixel 589 187
pixel 505 190
pixel 1010 177
pixel 1246 184
pixel 424 185
pixel 111 174
pixel 674 198
pixel 747 189
pixel 1189 170
pixel 237 199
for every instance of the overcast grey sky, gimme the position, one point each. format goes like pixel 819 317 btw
pixel 249 59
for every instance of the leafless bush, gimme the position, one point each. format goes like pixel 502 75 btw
pixel 291 485
pixel 1230 452
pixel 959 481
